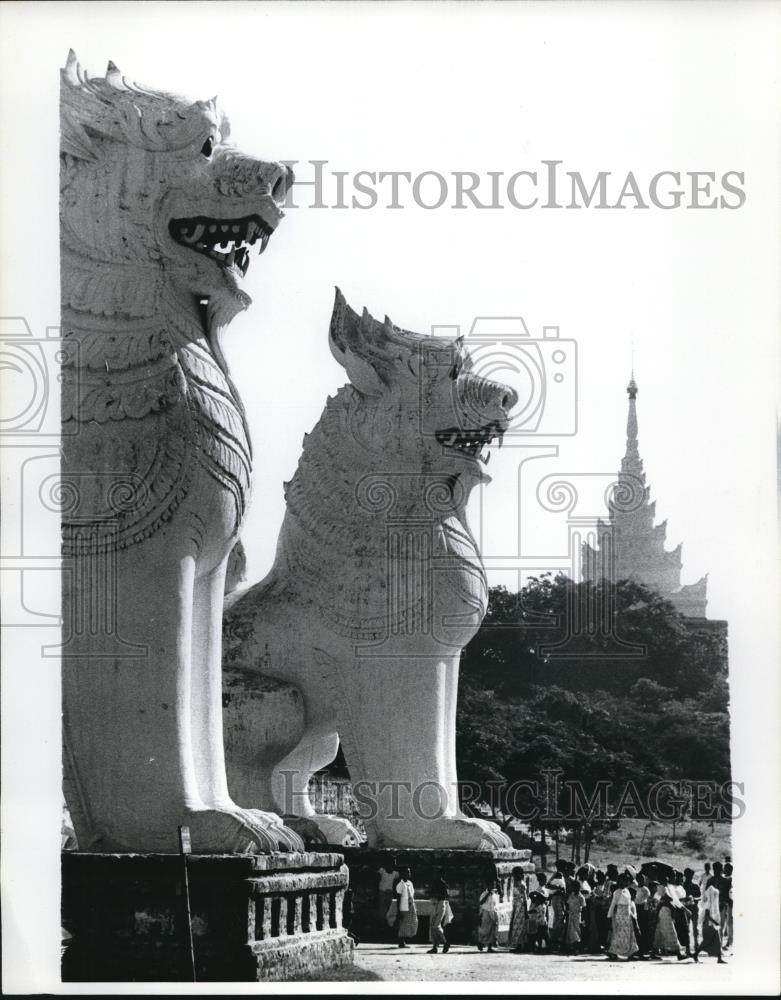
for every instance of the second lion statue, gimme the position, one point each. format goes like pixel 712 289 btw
pixel 376 587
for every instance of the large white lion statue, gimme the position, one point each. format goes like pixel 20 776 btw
pixel 159 215
pixel 376 587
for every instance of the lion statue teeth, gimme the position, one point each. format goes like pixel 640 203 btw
pixel 376 587
pixel 159 218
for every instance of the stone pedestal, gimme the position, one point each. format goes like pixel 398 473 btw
pixel 466 873
pixel 254 917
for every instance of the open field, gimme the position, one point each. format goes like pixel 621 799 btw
pixel 637 841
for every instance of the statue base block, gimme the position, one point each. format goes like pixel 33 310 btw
pixel 466 873
pixel 253 917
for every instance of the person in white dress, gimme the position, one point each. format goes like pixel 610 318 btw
pixel 622 916
pixel 408 916
pixel 387 876
pixel 488 929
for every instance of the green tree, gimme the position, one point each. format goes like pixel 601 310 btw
pixel 594 717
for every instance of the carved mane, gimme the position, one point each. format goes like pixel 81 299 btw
pixel 113 107
pixel 350 487
pixel 143 392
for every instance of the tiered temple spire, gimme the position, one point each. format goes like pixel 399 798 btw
pixel 630 546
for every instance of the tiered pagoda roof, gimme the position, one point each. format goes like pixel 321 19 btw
pixel 631 546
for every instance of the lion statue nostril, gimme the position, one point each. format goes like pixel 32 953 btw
pixel 279 190
pixel 282 184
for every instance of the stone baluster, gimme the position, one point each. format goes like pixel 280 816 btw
pixel 262 918
pixel 306 913
pixel 294 907
pixel 282 927
pixel 338 907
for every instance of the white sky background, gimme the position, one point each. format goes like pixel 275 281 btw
pixel 488 88
pixel 484 87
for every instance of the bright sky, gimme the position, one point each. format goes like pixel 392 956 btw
pixel 489 88
pixel 689 296
pixel 682 294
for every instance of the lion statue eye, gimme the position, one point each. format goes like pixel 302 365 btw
pixel 208 147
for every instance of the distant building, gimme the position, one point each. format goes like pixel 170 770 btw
pixel 630 546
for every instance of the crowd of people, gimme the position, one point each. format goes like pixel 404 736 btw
pixel 627 914
pixel 624 914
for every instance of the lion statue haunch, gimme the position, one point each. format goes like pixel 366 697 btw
pixel 376 587
pixel 158 217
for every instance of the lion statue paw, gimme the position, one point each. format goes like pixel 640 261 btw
pixel 449 832
pixel 281 834
pixel 325 829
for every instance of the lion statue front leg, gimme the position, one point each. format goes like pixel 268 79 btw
pixel 151 759
pixel 397 726
pixel 290 788
pixel 207 725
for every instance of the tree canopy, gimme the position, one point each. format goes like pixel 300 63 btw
pixel 643 702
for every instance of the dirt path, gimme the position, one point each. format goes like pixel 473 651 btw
pixel 388 963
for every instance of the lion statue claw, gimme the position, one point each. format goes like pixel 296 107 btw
pixel 323 828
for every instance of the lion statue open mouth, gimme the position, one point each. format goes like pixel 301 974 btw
pixel 376 587
pixel 235 238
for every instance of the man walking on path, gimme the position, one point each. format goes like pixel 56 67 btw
pixel 441 916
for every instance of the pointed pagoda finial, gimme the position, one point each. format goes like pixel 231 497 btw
pixel 631 461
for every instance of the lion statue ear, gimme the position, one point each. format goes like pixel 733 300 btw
pixel 344 339
pixel 113 107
